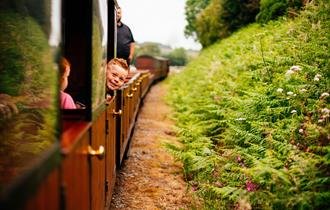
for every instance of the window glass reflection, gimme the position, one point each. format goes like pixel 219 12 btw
pixel 99 43
pixel 28 85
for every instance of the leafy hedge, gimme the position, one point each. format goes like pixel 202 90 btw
pixel 253 115
pixel 220 18
pixel 211 20
pixel 271 9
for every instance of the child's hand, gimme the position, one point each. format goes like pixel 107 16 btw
pixel 108 98
pixel 80 105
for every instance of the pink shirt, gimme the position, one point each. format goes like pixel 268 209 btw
pixel 67 101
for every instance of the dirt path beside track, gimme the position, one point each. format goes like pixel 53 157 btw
pixel 150 179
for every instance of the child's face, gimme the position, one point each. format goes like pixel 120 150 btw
pixel 64 79
pixel 116 76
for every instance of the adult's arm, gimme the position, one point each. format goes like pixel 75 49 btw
pixel 131 52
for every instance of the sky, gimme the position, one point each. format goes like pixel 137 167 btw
pixel 161 21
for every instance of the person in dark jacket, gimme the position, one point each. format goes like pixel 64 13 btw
pixel 125 39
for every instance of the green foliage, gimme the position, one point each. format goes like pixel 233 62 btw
pixel 212 20
pixel 222 17
pixel 177 57
pixel 209 27
pixel 98 61
pixel 39 10
pixel 24 55
pixel 271 9
pixel 29 76
pixel 253 115
pixel 148 48
pixel 192 10
pixel 239 13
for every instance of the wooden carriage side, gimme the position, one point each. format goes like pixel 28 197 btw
pixel 78 171
pixel 158 66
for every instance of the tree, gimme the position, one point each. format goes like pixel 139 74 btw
pixel 177 57
pixel 148 48
pixel 222 17
pixel 192 9
pixel 209 28
pixel 271 9
pixel 238 13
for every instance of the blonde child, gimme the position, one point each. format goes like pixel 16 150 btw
pixel 117 71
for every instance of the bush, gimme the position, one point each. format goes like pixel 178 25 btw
pixel 222 17
pixel 272 9
pixel 177 57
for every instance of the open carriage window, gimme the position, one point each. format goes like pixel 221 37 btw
pixel 29 51
pixel 85 49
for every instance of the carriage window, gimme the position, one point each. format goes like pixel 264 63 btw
pixel 74 78
pixel 29 40
pixel 85 49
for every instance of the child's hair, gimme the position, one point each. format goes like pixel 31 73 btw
pixel 64 63
pixel 120 62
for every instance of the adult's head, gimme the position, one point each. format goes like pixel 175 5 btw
pixel 65 72
pixel 117 71
pixel 118 14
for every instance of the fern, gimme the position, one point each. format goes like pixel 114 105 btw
pixel 254 133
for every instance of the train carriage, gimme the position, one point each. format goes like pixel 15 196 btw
pixel 158 66
pixel 53 158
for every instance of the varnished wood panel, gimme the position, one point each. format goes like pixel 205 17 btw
pixel 125 121
pixel 76 176
pixel 111 150
pixel 48 194
pixel 145 82
pixel 98 165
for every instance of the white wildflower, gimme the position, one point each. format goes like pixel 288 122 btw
pixel 303 90
pixel 289 72
pixel 289 93
pixel 241 119
pixel 291 30
pixel 294 95
pixel 325 111
pixel 324 95
pixel 320 120
pixel 317 77
pixel 301 130
pixel 293 111
pixel 279 90
pixel 295 68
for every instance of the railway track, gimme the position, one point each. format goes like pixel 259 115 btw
pixel 150 178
